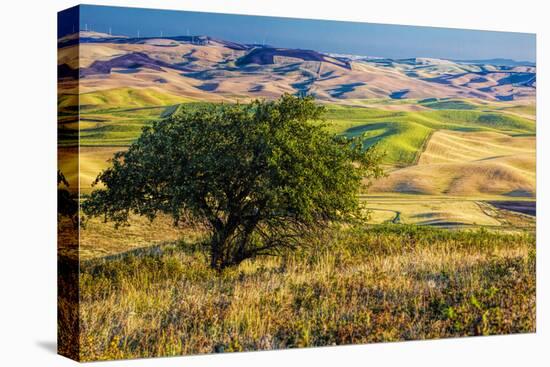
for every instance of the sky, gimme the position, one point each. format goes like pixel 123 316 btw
pixel 365 39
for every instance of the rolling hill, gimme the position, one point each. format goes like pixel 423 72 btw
pixel 213 70
pixel 447 127
pixel 468 164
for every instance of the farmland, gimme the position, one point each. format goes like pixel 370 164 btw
pixel 446 247
pixel 436 157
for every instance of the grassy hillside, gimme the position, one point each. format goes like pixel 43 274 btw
pixel 108 120
pixel 455 146
pixel 112 117
pixel 478 120
pixel 113 127
pixel 120 98
pixel 451 104
pixel 403 134
pixel 355 285
pixel 468 164
pixel 115 117
pixel 447 211
pixel 528 110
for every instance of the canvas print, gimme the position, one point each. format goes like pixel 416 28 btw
pixel 238 183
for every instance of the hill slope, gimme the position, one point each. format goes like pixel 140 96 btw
pixel 212 69
pixel 473 164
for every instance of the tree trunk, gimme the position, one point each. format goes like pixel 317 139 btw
pixel 220 248
pixel 225 249
pixel 216 247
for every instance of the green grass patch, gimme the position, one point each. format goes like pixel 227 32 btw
pixel 448 104
pixel 530 110
pixel 120 97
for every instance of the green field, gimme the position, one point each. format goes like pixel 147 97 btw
pixel 116 117
pixel 112 117
pixel 110 120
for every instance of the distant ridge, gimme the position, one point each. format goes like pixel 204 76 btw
pixel 497 61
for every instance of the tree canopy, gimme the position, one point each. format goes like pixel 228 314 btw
pixel 260 175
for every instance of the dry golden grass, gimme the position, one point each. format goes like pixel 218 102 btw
pixel 355 285
pixel 98 239
pixel 381 214
pixel 92 161
pixel 432 211
pixel 85 54
pixel 67 160
pixel 468 164
pixel 444 210
pixel 88 161
pixel 459 147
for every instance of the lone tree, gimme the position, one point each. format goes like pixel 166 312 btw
pixel 260 175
